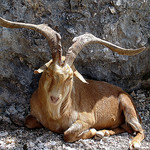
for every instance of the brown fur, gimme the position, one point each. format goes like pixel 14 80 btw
pixel 82 106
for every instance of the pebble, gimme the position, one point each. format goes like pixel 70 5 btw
pixel 10 141
pixel 18 120
pixel 40 145
pixel 31 144
pixel 141 95
pixel 112 10
pixel 12 110
pixel 67 148
pixel 2 145
pixel 3 134
pixel 6 119
pixel 53 143
pixel 20 108
pixel 133 94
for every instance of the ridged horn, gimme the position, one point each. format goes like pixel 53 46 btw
pixel 54 38
pixel 81 41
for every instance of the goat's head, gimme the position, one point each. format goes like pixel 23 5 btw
pixel 56 81
pixel 57 77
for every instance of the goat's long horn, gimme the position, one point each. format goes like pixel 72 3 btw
pixel 85 39
pixel 54 38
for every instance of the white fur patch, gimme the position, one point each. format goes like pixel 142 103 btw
pixel 99 135
pixel 135 124
pixel 93 131
pixel 56 91
pixel 134 145
pixel 74 128
pixel 65 70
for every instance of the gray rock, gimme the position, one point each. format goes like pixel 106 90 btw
pixel 67 148
pixel 12 110
pixel 3 134
pixel 125 23
pixel 53 143
pixel 17 119
pixel 2 145
pixel 6 119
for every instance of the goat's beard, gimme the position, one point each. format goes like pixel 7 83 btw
pixel 55 110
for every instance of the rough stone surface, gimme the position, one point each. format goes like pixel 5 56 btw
pixel 122 22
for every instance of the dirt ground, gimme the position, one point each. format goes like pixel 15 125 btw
pixel 20 138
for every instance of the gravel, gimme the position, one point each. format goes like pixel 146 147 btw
pixel 13 135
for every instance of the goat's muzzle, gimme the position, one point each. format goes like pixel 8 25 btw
pixel 54 99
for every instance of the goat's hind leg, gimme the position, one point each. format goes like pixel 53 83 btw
pixel 32 122
pixel 131 118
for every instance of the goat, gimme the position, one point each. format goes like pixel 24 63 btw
pixel 65 102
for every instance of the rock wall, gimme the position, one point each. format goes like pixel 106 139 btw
pixel 122 22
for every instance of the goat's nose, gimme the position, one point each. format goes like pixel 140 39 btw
pixel 54 99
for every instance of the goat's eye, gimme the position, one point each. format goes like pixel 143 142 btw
pixel 68 80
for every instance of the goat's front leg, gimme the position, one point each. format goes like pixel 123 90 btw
pixel 79 130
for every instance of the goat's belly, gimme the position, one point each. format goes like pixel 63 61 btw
pixel 109 121
pixel 108 113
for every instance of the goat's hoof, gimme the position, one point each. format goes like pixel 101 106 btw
pixel 99 135
pixel 134 146
pixel 93 131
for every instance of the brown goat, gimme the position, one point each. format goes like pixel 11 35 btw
pixel 66 102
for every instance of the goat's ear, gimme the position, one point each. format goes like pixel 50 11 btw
pixel 78 75
pixel 44 67
pixel 40 70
